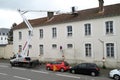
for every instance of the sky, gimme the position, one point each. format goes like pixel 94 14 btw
pixel 10 15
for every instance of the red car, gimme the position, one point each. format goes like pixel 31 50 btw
pixel 58 66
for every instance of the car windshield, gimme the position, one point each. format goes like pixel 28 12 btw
pixel 66 64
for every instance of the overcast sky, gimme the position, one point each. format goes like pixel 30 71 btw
pixel 10 15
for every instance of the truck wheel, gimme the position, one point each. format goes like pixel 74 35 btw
pixel 12 64
pixel 28 65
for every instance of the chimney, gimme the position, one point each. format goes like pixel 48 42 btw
pixel 101 6
pixel 50 15
pixel 74 12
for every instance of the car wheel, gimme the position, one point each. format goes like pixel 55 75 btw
pixel 12 64
pixel 62 70
pixel 73 71
pixel 93 74
pixel 48 68
pixel 116 77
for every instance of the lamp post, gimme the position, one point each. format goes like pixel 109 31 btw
pixel 103 58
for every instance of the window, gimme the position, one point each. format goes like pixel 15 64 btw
pixel 87 29
pixel 69 46
pixel 69 30
pixel 41 50
pixel 30 46
pixel 20 35
pixel 3 33
pixel 41 33
pixel 88 50
pixel 83 65
pixel 109 27
pixel 6 33
pixel 1 38
pixel 54 46
pixel 110 49
pixel 29 33
pixel 54 32
pixel 20 48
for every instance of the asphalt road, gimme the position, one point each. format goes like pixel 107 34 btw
pixel 20 73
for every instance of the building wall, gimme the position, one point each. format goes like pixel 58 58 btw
pixel 97 39
pixel 3 39
pixel 4 36
pixel 6 51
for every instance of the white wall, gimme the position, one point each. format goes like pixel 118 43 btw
pixel 6 51
pixel 77 53
pixel 3 39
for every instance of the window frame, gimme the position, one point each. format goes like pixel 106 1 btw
pixel 41 49
pixel 20 48
pixel 110 50
pixel 88 50
pixel 87 28
pixel 54 46
pixel 41 33
pixel 54 32
pixel 109 27
pixel 69 31
pixel 20 35
pixel 69 46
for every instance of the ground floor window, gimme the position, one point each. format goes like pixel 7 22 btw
pixel 41 49
pixel 88 50
pixel 20 48
pixel 69 46
pixel 110 50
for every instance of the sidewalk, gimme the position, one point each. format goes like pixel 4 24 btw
pixel 104 72
pixel 4 60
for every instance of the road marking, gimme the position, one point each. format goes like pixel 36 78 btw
pixel 3 66
pixel 68 76
pixel 21 78
pixel 39 71
pixel 3 74
pixel 19 68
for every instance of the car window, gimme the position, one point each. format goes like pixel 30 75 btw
pixel 14 56
pixel 83 65
pixel 53 63
pixel 19 56
pixel 66 64
pixel 91 65
pixel 58 62
pixel 27 58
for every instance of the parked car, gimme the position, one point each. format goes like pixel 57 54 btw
pixel 115 74
pixel 86 68
pixel 58 66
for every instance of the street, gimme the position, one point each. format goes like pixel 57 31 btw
pixel 40 73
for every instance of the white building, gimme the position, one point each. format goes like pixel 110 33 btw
pixel 4 36
pixel 91 35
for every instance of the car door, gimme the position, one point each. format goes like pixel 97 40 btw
pixel 82 68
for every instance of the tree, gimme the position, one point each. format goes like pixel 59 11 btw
pixel 10 34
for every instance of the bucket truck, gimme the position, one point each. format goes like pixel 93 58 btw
pixel 22 58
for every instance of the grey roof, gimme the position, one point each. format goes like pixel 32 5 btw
pixel 4 30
